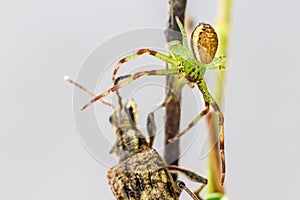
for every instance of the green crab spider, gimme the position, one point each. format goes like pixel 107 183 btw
pixel 184 62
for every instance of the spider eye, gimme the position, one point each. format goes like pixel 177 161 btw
pixel 204 42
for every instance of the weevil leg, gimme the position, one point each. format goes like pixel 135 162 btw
pixel 151 125
pixel 197 191
pixel 117 80
pixel 191 175
pixel 181 186
pixel 151 128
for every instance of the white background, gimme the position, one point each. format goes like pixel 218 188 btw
pixel 41 41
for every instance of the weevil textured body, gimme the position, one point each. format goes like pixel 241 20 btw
pixel 141 173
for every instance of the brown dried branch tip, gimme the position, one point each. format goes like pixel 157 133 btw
pixel 173 92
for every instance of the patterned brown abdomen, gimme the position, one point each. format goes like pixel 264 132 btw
pixel 143 176
pixel 204 43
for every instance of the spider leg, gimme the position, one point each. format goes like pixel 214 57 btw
pixel 216 64
pixel 209 98
pixel 191 124
pixel 183 32
pixel 140 52
pixel 163 72
pixel 216 67
pixel 221 139
pixel 209 101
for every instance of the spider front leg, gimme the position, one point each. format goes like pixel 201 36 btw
pixel 221 139
pixel 209 98
pixel 140 52
pixel 163 72
pixel 209 101
pixel 191 124
pixel 183 32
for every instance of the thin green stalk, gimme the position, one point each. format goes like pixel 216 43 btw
pixel 222 28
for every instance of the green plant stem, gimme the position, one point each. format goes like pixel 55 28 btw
pixel 222 28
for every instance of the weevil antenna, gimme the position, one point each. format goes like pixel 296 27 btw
pixel 118 79
pixel 67 79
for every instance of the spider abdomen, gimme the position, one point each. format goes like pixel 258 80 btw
pixel 204 43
